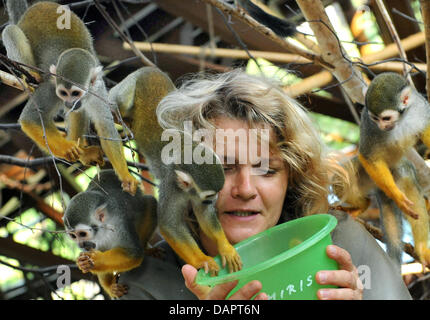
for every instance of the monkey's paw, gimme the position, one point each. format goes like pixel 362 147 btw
pixel 231 258
pixel 406 206
pixel 209 265
pixel 92 155
pixel 85 262
pixel 424 255
pixel 70 151
pixel 129 184
pixel 117 290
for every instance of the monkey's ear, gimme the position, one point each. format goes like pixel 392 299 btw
pixel 365 90
pixel 405 96
pixel 184 180
pixel 94 73
pixel 53 70
pixel 101 213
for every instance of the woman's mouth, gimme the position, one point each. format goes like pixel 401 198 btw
pixel 242 213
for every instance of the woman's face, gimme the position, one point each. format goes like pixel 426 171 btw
pixel 249 202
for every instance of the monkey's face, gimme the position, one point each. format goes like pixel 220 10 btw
pixel 386 120
pixel 84 236
pixel 72 97
pixel 187 183
pixel 74 74
pixel 93 233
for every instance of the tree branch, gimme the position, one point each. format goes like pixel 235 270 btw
pixel 425 10
pixel 286 44
pixel 395 37
pixel 332 50
pixel 112 23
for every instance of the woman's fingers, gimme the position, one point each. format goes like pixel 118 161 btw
pixel 221 291
pixel 347 279
pixel 339 278
pixel 190 273
pixel 338 294
pixel 342 257
pixel 247 291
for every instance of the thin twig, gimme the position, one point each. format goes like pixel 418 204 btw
pixel 38 270
pixel 406 16
pixel 241 15
pixel 425 9
pixel 112 23
pixel 395 37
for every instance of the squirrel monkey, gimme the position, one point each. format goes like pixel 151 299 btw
pixel 181 185
pixel 394 118
pixel 112 227
pixel 35 38
pixel 357 196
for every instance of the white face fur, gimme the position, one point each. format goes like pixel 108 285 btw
pixel 386 120
pixel 97 236
pixel 71 97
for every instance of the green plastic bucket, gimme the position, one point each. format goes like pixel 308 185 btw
pixel 284 259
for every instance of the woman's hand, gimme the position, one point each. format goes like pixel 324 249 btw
pixel 350 285
pixel 221 291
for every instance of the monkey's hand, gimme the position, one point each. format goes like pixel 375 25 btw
pixel 69 151
pixel 129 184
pixel 85 262
pixel 117 290
pixel 423 253
pixel 230 257
pixel 405 205
pixel 209 265
pixel 91 155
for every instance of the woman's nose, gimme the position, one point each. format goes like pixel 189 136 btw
pixel 243 187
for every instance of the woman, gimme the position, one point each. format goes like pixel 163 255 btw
pixel 253 199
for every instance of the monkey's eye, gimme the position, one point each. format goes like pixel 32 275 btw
pixel 82 234
pixel 72 235
pixel 76 93
pixel 63 93
pixel 386 118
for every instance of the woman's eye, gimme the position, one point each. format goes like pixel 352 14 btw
pixel 270 172
pixel 228 168
pixel 265 172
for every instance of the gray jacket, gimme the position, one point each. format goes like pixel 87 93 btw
pixel 162 278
